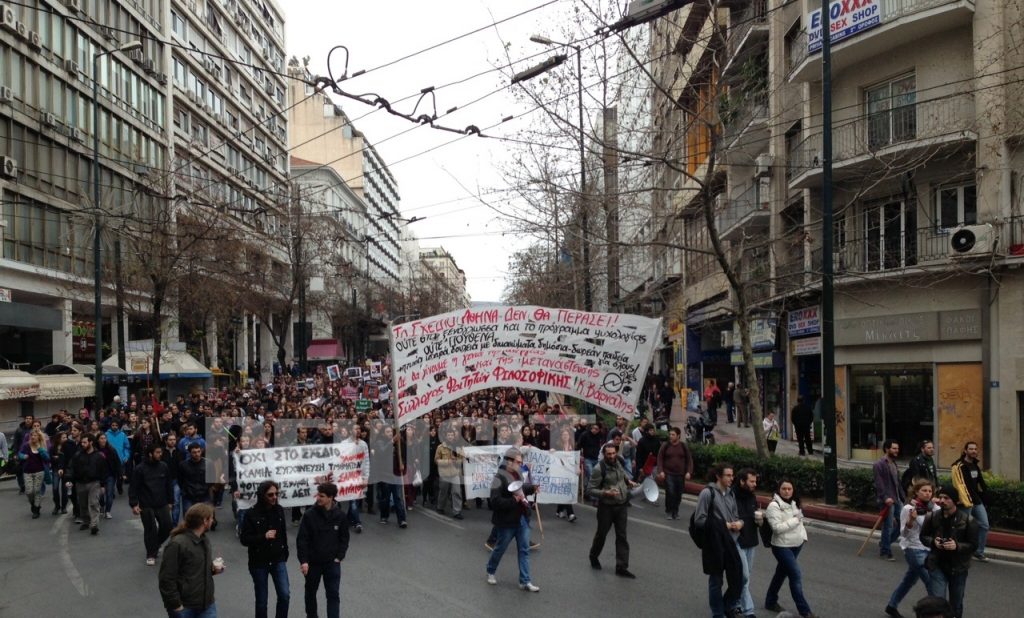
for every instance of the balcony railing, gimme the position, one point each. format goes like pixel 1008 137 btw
pixel 871 134
pixel 755 15
pixel 738 208
pixel 789 272
pixel 749 108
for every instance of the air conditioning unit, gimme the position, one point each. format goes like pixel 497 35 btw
pixel 77 135
pixel 147 66
pixel 763 164
pixel 136 56
pixel 266 54
pixel 268 157
pixel 969 241
pixel 162 78
pixel 21 30
pixel 50 120
pixel 206 108
pixel 8 167
pixel 34 40
pixel 6 95
pixel 71 66
pixel 108 34
pixel 73 5
pixel 192 96
pixel 7 19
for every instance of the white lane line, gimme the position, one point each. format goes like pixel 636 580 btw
pixel 440 518
pixel 641 521
pixel 60 529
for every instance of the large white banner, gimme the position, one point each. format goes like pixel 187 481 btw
pixel 299 468
pixel 556 472
pixel 599 357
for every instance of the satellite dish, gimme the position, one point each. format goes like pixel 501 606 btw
pixel 963 240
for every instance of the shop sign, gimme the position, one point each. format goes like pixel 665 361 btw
pixel 846 19
pixel 140 365
pixel 806 347
pixel 805 321
pixel 762 360
pixel 675 330
pixel 762 333
pixel 910 328
pixel 5 295
pixel 83 341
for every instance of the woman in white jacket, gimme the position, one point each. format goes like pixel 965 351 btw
pixel 788 537
pixel 915 553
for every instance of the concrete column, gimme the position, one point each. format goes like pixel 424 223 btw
pixel 241 344
pixel 211 344
pixel 289 342
pixel 268 353
pixel 63 342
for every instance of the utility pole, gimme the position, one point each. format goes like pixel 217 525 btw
pixel 828 349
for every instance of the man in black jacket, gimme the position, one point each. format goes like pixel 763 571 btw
pixel 151 495
pixel 88 472
pixel 321 546
pixel 802 417
pixel 922 466
pixel 265 534
pixel 192 479
pixel 511 518
pixel 747 509
pixel 951 535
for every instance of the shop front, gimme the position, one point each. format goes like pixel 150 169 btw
pixel 909 377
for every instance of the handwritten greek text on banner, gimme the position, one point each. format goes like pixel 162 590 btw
pixel 556 472
pixel 598 357
pixel 298 469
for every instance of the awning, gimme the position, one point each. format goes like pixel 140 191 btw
pixel 16 384
pixel 66 386
pixel 324 350
pixel 173 364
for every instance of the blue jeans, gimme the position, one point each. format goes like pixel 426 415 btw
pixel 176 509
pixel 915 570
pixel 279 573
pixel 387 493
pixel 192 612
pixel 787 567
pixel 354 506
pixel 674 484
pixel 746 600
pixel 109 497
pixel 955 583
pixel 980 515
pixel 522 536
pixel 890 528
pixel 588 470
pixel 331 574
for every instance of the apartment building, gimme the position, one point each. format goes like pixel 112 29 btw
pixel 928 235
pixel 189 112
pixel 441 281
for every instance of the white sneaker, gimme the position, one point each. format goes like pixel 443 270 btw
pixel 150 561
pixel 529 587
pixel 109 516
pixel 560 515
pixel 491 579
pixel 572 518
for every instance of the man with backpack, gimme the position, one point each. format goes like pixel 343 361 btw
pixel 715 527
pixel 610 487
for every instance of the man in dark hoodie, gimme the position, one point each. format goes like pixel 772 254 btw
pixel 747 509
pixel 952 536
pixel 151 495
pixel 321 546
pixel 265 534
pixel 511 518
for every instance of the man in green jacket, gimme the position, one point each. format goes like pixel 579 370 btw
pixel 188 567
pixel 610 487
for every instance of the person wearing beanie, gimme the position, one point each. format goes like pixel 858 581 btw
pixel 952 536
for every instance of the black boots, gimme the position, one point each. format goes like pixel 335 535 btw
pixel 35 512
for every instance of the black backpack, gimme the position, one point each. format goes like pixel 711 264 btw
pixel 698 534
pixel 766 531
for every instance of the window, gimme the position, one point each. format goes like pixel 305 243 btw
pixel 892 112
pixel 957 205
pixel 179 26
pixel 890 236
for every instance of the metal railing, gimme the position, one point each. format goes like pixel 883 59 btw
pixel 737 208
pixel 751 107
pixel 754 15
pixel 867 134
pixel 789 272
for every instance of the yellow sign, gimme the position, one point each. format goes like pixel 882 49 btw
pixel 140 365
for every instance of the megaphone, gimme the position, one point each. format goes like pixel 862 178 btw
pixel 515 486
pixel 648 490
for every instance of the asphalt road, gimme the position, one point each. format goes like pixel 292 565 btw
pixel 436 568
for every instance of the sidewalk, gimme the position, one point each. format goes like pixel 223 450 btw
pixel 831 516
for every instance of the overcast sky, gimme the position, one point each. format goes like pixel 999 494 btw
pixel 437 180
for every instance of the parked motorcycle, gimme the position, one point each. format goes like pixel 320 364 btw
pixel 699 429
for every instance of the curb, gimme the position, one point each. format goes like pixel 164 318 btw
pixel 1001 545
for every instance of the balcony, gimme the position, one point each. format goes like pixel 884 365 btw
pixel 879 142
pixel 745 120
pixel 745 214
pixel 902 21
pixel 747 34
pixel 756 279
pixel 790 270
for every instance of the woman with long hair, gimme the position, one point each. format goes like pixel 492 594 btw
pixel 188 566
pixel 788 538
pixel 914 552
pixel 60 491
pixel 145 436
pixel 34 458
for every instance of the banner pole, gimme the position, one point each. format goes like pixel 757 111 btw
pixel 394 408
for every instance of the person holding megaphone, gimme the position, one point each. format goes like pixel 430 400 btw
pixel 511 517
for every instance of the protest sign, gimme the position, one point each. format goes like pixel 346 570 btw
pixel 299 468
pixel 556 472
pixel 598 357
pixel 333 373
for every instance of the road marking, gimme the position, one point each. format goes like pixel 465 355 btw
pixel 643 521
pixel 60 529
pixel 440 518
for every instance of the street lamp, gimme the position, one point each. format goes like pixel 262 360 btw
pixel 97 268
pixel 530 73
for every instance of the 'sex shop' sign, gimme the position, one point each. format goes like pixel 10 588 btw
pixel 846 18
